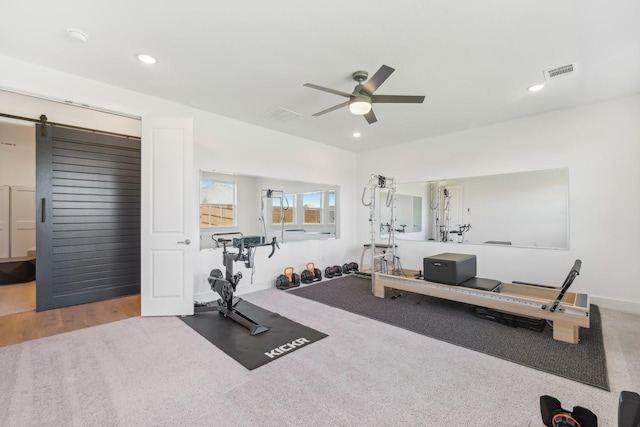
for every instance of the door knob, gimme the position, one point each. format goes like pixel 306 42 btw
pixel 186 242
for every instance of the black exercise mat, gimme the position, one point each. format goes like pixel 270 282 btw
pixel 284 337
pixel 457 324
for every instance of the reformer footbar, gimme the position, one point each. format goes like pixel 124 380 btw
pixel 575 270
pixel 226 286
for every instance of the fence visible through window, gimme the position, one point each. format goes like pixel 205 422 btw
pixel 218 215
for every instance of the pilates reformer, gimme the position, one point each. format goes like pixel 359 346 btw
pixel 568 311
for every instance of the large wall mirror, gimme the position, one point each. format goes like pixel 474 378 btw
pixel 263 208
pixel 527 209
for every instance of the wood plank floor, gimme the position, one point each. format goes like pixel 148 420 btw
pixel 17 298
pixel 20 322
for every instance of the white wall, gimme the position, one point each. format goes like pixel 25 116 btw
pixel 262 153
pixel 599 143
pixel 17 154
pixel 220 144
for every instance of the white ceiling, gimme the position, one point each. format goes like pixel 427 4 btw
pixel 246 59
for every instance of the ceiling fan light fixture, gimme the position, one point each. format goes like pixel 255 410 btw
pixel 359 107
pixel 360 100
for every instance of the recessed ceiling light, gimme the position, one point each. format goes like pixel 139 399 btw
pixel 77 35
pixel 535 88
pixel 356 134
pixel 147 59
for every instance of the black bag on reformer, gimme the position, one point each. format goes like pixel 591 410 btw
pixel 509 319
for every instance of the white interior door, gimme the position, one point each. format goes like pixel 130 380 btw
pixel 23 221
pixel 168 217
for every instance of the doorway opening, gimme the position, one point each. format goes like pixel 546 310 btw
pixel 17 217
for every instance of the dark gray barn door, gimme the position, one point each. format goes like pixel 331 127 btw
pixel 88 217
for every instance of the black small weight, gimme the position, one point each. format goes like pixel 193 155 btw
pixel 349 267
pixel 309 276
pixel 553 415
pixel 328 272
pixel 337 270
pixel 282 282
pixel 306 276
pixel 295 278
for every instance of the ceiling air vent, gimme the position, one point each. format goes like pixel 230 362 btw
pixel 282 115
pixel 564 70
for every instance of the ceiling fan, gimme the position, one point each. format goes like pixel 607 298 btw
pixel 362 97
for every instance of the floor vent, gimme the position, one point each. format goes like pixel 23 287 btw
pixel 564 70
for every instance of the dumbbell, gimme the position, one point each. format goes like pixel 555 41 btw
pixel 333 271
pixel 288 280
pixel 311 274
pixel 349 267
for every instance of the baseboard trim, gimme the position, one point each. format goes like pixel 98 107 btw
pixel 616 304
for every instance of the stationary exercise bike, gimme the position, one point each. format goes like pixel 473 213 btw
pixel 226 286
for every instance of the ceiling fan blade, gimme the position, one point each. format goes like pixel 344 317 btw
pixel 328 110
pixel 377 79
pixel 371 118
pixel 400 99
pixel 326 89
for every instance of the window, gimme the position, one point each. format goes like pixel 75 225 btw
pixel 217 203
pixel 312 208
pixel 287 208
pixel 332 207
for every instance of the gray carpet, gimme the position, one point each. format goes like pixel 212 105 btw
pixel 456 323
pixel 157 371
